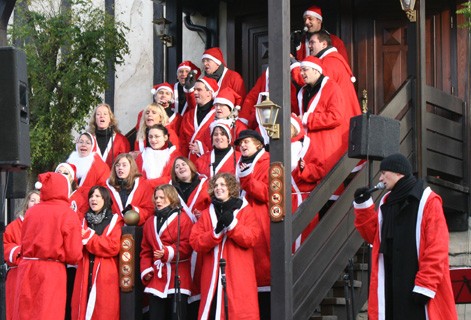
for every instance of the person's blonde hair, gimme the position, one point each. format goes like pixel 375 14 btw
pixel 141 133
pixel 24 204
pixel 133 172
pixel 170 193
pixel 113 122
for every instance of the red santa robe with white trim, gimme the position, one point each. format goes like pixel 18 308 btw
pixel 116 145
pixel 162 282
pixel 103 300
pixel 51 238
pixel 192 132
pixel 233 80
pixel 254 183
pixel 96 174
pixel 12 256
pixel 205 166
pixel 235 245
pixel 336 68
pixel 325 123
pixel 140 199
pixel 197 202
pixel 248 111
pixel 433 276
pixel 156 165
pixel 302 51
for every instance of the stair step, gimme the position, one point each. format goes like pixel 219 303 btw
pixel 341 284
pixel 324 318
pixel 332 301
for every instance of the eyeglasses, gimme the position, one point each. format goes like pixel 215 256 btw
pixel 88 143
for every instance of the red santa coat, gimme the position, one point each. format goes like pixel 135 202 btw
pixel 103 301
pixel 236 247
pixel 50 239
pixel 254 183
pixel 156 165
pixel 302 51
pixel 140 199
pixel 233 80
pixel 116 145
pixel 325 123
pixel 192 132
pixel 162 282
pixel 96 175
pixel 198 201
pixel 248 111
pixel 433 277
pixel 205 166
pixel 12 255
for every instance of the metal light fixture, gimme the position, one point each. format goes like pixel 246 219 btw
pixel 267 113
pixel 161 29
pixel 409 7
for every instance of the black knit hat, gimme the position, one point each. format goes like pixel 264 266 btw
pixel 249 133
pixel 396 163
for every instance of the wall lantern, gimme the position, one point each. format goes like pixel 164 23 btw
pixel 267 113
pixel 161 30
pixel 409 7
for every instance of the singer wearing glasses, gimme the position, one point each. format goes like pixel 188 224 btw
pixel 165 256
pixel 224 236
pixel 410 277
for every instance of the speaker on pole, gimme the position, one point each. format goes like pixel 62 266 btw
pixel 373 137
pixel 14 111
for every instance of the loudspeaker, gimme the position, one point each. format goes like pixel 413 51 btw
pixel 14 110
pixel 373 137
pixel 17 184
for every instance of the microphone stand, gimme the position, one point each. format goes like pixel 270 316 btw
pixel 177 298
pixel 222 265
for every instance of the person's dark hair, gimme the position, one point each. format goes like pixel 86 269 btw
pixel 170 193
pixel 190 163
pixel 322 36
pixel 133 172
pixel 105 194
pixel 231 182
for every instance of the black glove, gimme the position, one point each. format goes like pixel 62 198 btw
pixel 219 227
pixel 420 298
pixel 362 194
pixel 128 207
pixel 190 81
pixel 226 218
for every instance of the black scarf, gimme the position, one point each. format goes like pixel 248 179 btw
pixel 396 200
pixel 251 158
pixel 169 111
pixel 219 154
pixel 185 189
pixel 311 91
pixel 163 214
pixel 181 99
pixel 123 191
pixel 103 137
pixel 216 75
pixel 229 205
pixel 203 110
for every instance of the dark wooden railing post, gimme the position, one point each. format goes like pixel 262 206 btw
pixel 129 274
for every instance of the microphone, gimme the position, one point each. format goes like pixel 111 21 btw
pixel 305 29
pixel 222 265
pixel 192 73
pixel 379 186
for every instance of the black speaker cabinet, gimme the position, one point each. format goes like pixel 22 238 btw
pixel 14 110
pixel 373 137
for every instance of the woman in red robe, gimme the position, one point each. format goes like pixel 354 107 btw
pixel 96 289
